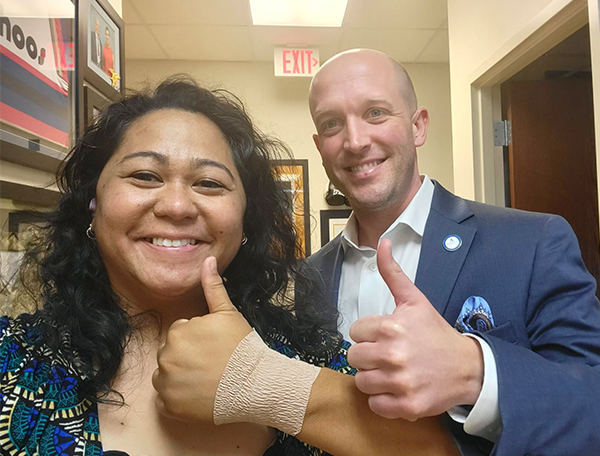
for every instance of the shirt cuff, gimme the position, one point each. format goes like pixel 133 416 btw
pixel 483 419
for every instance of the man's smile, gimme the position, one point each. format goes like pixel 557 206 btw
pixel 365 166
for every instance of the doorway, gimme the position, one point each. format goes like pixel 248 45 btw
pixel 551 158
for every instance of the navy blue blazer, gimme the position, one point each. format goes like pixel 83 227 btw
pixel 546 341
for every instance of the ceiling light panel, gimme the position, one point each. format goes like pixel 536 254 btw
pixel 302 13
pixel 37 8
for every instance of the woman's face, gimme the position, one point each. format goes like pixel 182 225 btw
pixel 168 198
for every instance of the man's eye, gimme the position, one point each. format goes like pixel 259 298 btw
pixel 375 112
pixel 330 124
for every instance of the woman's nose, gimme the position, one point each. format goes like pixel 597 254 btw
pixel 176 201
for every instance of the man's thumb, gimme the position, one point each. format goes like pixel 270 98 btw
pixel 215 293
pixel 402 289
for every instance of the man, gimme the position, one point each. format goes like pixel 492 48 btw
pixel 530 374
pixel 527 364
pixel 96 52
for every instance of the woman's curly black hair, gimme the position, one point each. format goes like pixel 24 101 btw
pixel 77 299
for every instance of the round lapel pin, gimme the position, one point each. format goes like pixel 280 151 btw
pixel 452 243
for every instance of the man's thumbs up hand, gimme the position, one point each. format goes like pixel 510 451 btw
pixel 412 363
pixel 196 351
pixel 402 289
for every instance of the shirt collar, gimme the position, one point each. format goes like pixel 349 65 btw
pixel 415 216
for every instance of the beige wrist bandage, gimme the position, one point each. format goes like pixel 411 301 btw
pixel 262 386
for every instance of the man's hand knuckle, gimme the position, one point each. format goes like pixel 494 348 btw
pixel 361 382
pixel 390 328
pixel 394 357
pixel 351 354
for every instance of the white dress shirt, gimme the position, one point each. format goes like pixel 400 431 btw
pixel 363 292
pixel 98 50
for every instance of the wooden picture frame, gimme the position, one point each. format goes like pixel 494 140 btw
pixel 293 176
pixel 94 66
pixel 101 17
pixel 332 223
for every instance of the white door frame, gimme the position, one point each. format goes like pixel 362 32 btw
pixel 552 25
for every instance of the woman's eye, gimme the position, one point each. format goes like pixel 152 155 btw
pixel 145 176
pixel 208 183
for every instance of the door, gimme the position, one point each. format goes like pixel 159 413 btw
pixel 552 160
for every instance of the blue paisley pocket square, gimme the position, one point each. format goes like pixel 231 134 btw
pixel 475 315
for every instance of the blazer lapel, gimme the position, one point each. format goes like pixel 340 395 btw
pixel 439 268
pixel 329 265
pixel 339 260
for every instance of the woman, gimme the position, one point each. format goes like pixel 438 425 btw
pixel 159 184
pixel 107 54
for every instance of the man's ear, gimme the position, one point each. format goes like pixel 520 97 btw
pixel 317 142
pixel 420 125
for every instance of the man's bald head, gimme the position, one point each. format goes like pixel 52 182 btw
pixel 339 64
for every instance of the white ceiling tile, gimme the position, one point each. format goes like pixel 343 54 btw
pixel 140 43
pixel 205 42
pixel 264 39
pixel 130 14
pixel 221 30
pixel 402 44
pixel 413 14
pixel 207 12
pixel 436 50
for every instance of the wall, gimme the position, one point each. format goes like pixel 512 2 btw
pixel 117 5
pixel 594 17
pixel 487 34
pixel 279 106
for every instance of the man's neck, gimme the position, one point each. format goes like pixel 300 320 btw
pixel 370 227
pixel 372 224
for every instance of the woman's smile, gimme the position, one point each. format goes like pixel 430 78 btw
pixel 172 242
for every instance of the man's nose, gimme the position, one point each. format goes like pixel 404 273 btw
pixel 357 138
pixel 176 201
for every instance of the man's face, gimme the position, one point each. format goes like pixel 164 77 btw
pixel 367 133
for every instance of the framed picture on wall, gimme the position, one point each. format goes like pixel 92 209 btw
pixel 333 222
pixel 293 178
pixel 94 102
pixel 20 220
pixel 101 46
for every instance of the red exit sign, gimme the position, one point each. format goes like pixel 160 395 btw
pixel 296 61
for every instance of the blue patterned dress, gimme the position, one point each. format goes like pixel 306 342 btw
pixel 42 410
